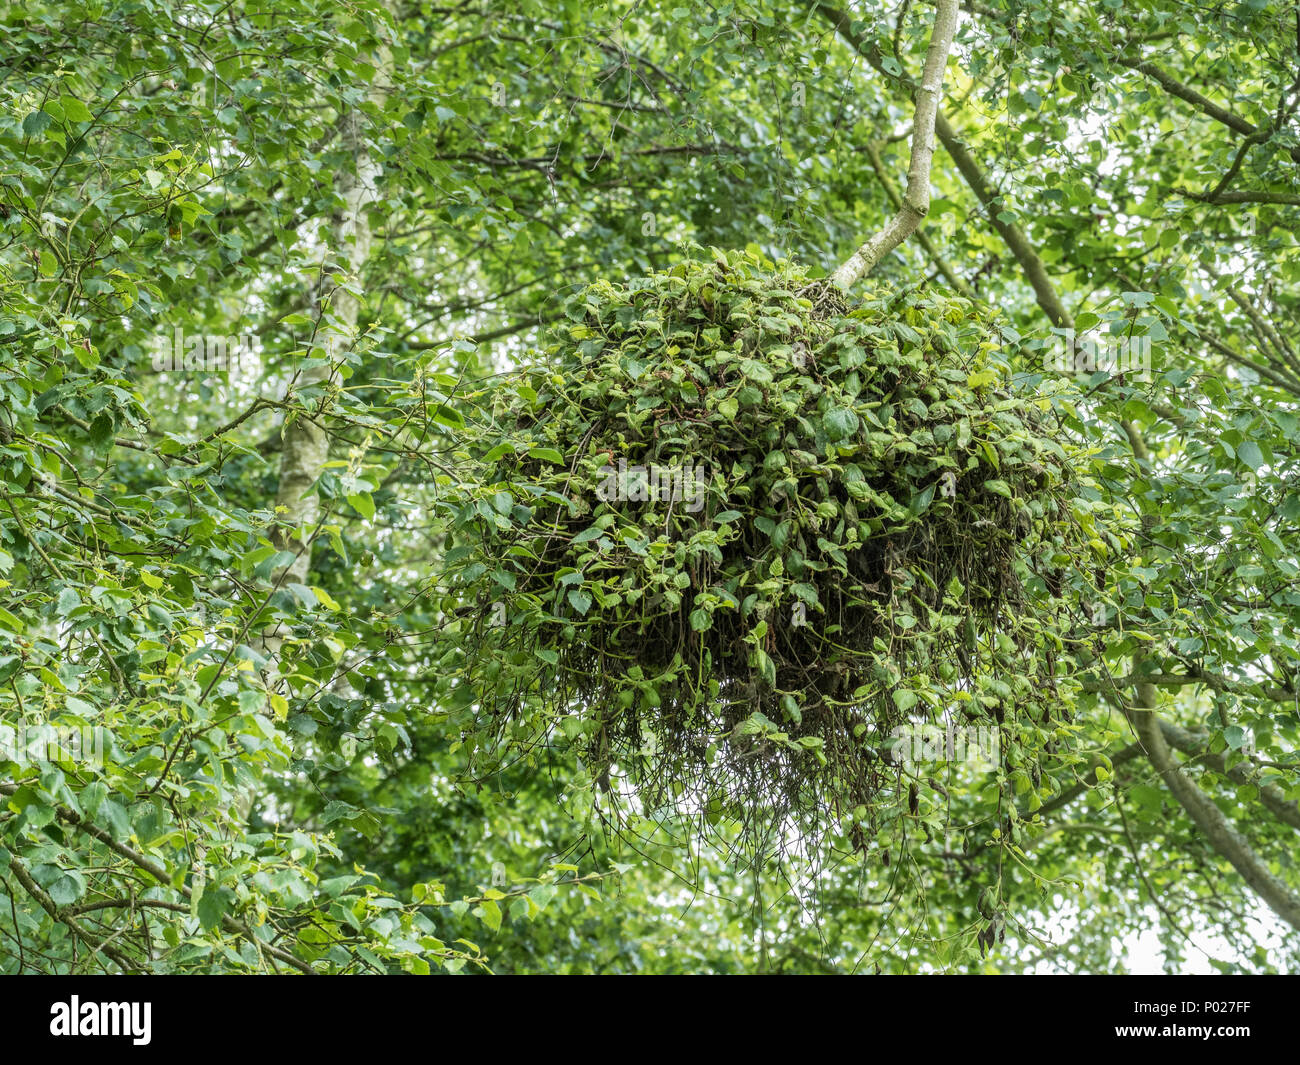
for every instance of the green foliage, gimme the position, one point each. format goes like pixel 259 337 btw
pixel 287 767
pixel 738 538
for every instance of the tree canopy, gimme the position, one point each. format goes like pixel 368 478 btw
pixel 305 310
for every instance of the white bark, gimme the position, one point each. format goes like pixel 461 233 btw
pixel 306 445
pixel 916 201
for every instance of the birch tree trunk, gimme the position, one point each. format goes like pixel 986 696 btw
pixel 337 309
pixel 306 444
pixel 916 200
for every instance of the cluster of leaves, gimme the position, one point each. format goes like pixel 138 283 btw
pixel 158 676
pixel 133 634
pixel 738 537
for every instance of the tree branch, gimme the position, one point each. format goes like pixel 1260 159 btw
pixel 916 200
pixel 896 198
pixel 1189 95
pixel 160 874
pixel 1285 199
pixel 65 918
pixel 1194 744
pixel 1221 835
pixel 1034 269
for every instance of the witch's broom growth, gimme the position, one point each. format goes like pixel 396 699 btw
pixel 739 537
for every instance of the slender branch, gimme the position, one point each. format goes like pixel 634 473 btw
pixel 1270 692
pixel 1089 781
pixel 1195 745
pixel 1153 896
pixel 1208 107
pixel 156 870
pixel 1222 836
pixel 916 200
pixel 65 918
pixel 1258 137
pixel 1189 95
pixel 1035 270
pixel 896 198
pixel 1031 264
pixel 1285 199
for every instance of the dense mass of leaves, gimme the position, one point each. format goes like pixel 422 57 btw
pixel 740 538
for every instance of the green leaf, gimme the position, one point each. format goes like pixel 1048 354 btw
pixel 326 600
pixel 543 894
pixel 67 888
pixel 489 913
pixel 211 908
pixel 68 602
pixel 74 110
pixel 36 123
pixel 1248 452
pixel 904 699
pixel 337 810
pixel 363 504
pixel 839 423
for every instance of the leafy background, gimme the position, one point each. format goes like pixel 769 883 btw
pixel 284 788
